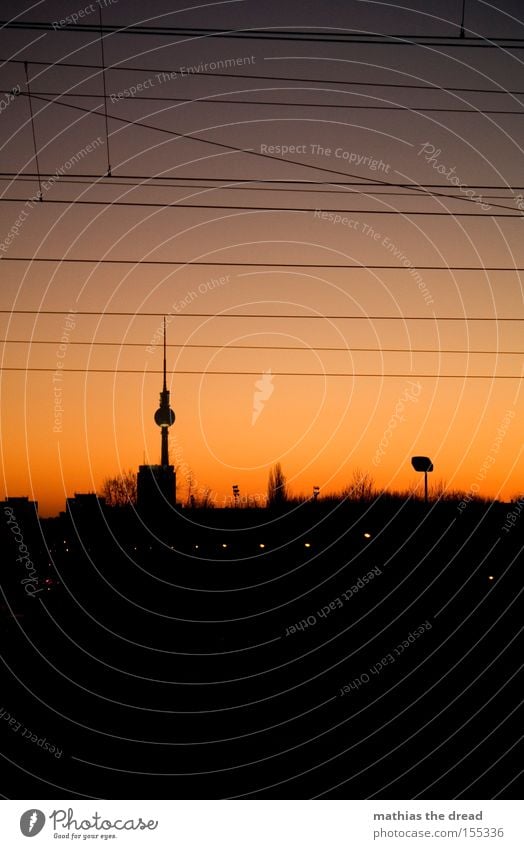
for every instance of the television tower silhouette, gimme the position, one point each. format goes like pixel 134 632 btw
pixel 164 416
pixel 156 484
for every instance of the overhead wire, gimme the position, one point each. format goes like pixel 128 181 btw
pixel 250 264
pixel 185 72
pixel 226 347
pixel 381 375
pixel 312 316
pixel 516 213
pixel 219 98
pixel 309 35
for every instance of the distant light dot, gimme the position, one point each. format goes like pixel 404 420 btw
pixel 490 577
pixel 368 536
pixel 261 545
pixel 307 545
pixel 224 545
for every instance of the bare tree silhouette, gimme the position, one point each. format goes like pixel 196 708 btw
pixel 120 490
pixel 276 487
pixel 361 486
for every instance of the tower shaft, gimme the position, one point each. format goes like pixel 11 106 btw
pixel 164 452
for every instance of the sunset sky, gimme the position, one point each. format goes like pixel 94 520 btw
pixel 323 417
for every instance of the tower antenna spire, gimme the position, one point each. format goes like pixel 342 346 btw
pixel 165 383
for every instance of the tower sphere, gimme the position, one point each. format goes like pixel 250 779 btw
pixel 164 417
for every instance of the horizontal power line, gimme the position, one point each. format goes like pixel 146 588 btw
pixel 315 316
pixel 247 264
pixel 369 194
pixel 257 373
pixel 242 208
pixel 101 180
pixel 236 181
pixel 227 347
pixel 352 37
pixel 218 99
pixel 117 66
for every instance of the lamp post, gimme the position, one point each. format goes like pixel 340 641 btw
pixel 423 464
pixel 316 490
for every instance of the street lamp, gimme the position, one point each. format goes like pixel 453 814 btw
pixel 423 464
pixel 316 490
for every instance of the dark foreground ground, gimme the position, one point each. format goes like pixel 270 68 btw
pixel 363 651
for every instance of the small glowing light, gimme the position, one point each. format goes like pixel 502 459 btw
pixel 261 545
pixel 367 536
pixel 196 546
pixel 224 545
pixel 307 545
pixel 490 577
